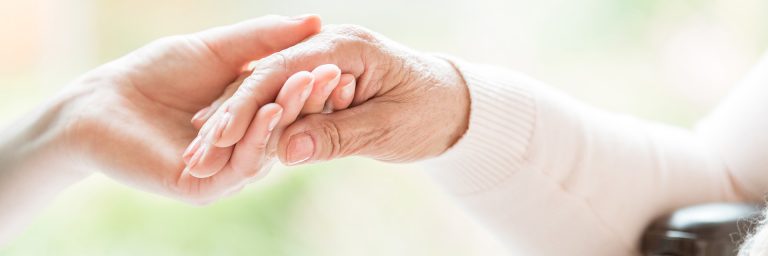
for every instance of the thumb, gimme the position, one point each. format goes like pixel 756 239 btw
pixel 254 39
pixel 319 137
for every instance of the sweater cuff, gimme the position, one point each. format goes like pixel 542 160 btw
pixel 501 122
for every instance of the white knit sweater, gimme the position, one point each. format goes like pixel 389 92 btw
pixel 551 176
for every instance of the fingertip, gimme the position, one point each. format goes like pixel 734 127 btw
pixel 198 123
pixel 250 153
pixel 346 79
pixel 344 94
pixel 225 133
pixel 194 161
pixel 200 114
pixel 199 173
pixel 306 85
pixel 294 94
pixel 200 117
pixel 299 78
pixel 268 117
pixel 327 70
pixel 272 107
pixel 284 140
pixel 326 79
pixel 190 150
pixel 300 149
pixel 305 76
pixel 300 84
pixel 271 110
pixel 211 161
pixel 312 22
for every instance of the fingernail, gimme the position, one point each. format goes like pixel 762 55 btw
pixel 307 90
pixel 220 127
pixel 196 157
pixel 300 148
pixel 331 84
pixel 213 122
pixel 185 171
pixel 266 138
pixel 191 148
pixel 200 114
pixel 275 120
pixel 206 127
pixel 300 17
pixel 348 90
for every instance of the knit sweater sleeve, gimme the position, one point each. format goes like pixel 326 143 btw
pixel 552 176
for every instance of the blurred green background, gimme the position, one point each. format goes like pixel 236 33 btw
pixel 669 61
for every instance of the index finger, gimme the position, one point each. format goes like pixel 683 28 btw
pixel 243 104
pixel 269 74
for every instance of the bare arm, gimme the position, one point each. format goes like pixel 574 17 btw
pixel 129 119
pixel 34 165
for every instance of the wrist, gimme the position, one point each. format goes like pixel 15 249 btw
pixel 36 163
pixel 456 121
pixel 42 141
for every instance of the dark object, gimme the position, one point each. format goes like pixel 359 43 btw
pixel 703 230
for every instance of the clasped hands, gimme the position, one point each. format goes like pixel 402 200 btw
pixel 198 116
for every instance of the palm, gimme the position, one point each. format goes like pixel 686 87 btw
pixel 149 112
pixel 146 100
pixel 180 72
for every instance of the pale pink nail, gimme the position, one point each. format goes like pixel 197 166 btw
pixel 266 138
pixel 348 90
pixel 307 90
pixel 275 120
pixel 300 148
pixel 331 84
pixel 191 148
pixel 200 114
pixel 220 128
pixel 196 157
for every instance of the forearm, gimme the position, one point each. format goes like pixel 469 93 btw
pixel 535 163
pixel 35 164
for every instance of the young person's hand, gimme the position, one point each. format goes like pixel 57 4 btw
pixel 130 118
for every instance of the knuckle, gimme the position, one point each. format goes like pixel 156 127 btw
pixel 277 59
pixel 353 32
pixel 332 135
pixel 262 68
pixel 248 87
pixel 331 132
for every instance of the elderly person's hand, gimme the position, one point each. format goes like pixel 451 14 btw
pixel 407 105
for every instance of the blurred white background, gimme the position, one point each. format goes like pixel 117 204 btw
pixel 663 60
